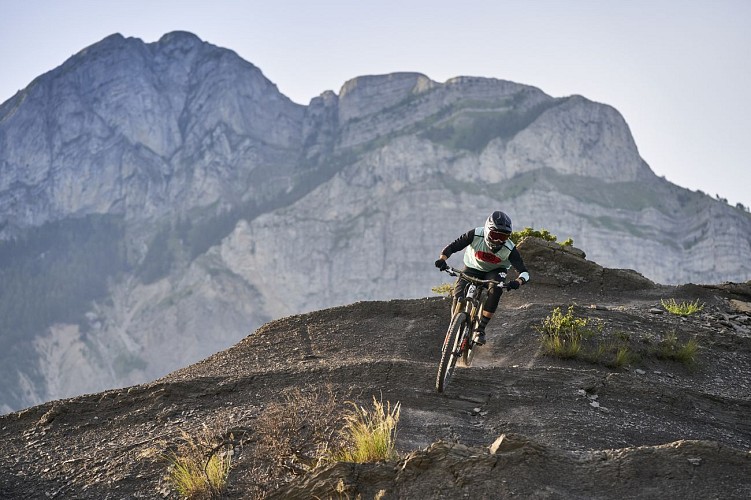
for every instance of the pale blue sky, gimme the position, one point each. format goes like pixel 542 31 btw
pixel 678 70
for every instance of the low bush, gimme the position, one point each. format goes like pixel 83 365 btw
pixel 682 309
pixel 295 433
pixel 444 289
pixel 562 334
pixel 543 234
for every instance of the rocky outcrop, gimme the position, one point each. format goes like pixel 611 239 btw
pixel 224 204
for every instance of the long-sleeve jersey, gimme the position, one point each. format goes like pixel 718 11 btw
pixel 479 256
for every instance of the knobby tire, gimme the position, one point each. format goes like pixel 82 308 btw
pixel 469 353
pixel 450 347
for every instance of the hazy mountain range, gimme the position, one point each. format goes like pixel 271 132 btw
pixel 160 201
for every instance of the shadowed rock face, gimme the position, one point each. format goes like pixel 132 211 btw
pixel 168 190
pixel 518 422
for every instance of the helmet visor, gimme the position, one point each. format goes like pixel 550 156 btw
pixel 497 236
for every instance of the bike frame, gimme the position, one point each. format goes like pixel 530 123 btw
pixel 475 295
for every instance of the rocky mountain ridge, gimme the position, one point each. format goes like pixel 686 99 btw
pixel 516 423
pixel 168 190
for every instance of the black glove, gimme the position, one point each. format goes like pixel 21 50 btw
pixel 512 285
pixel 441 264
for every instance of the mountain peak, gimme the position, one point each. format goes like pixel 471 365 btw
pixel 179 35
pixel 183 39
pixel 113 38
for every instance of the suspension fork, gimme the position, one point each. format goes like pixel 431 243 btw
pixel 456 305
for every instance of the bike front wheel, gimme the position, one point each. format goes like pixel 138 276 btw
pixel 468 354
pixel 450 353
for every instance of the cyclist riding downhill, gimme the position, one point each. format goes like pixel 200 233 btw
pixel 489 255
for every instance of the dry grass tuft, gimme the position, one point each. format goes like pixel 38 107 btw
pixel 199 469
pixel 369 435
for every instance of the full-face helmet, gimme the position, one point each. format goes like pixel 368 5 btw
pixel 497 230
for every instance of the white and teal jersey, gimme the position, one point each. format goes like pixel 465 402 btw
pixel 478 254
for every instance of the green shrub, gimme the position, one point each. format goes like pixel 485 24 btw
pixel 562 334
pixel 682 309
pixel 544 234
pixel 443 289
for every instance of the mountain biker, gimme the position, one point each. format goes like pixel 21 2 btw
pixel 489 254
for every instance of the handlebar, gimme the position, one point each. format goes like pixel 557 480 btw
pixel 477 281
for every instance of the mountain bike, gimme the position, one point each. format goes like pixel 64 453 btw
pixel 461 337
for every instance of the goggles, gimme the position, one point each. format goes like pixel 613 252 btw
pixel 498 236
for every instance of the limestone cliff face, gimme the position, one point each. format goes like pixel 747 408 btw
pixel 221 204
pixel 144 130
pixel 602 147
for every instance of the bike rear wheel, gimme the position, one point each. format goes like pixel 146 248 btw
pixel 449 356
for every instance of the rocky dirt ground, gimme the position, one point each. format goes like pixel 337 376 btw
pixel 516 423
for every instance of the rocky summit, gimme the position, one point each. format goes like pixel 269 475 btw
pixel 159 201
pixel 518 423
